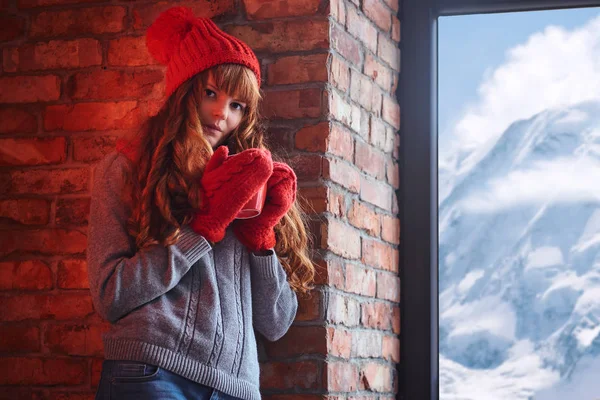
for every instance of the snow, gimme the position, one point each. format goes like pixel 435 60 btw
pixel 519 258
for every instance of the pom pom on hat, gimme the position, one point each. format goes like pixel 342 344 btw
pixel 188 45
pixel 166 33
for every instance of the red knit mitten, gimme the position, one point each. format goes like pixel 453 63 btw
pixel 227 184
pixel 257 233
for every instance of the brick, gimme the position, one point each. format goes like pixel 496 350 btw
pixel 346 46
pixel 25 275
pixel 48 241
pixel 19 339
pixel 93 116
pixel 342 239
pixel 339 342
pixel 365 218
pixel 292 104
pixel 339 73
pixel 313 137
pixel 338 11
pixel 44 3
pixel 359 117
pixel 72 274
pixel 337 204
pixel 16 120
pixel 376 377
pixel 292 375
pixel 129 51
pixel 376 315
pixel 366 344
pixel 81 21
pixel 377 13
pixel 72 396
pixel 12 27
pixel 390 141
pixel 393 4
pixel 361 89
pixel 376 101
pixel 396 320
pixel 391 348
pixel 299 341
pixel 309 307
pixel 342 173
pixel 370 160
pixel 343 310
pixel 391 112
pixel 390 229
pixel 55 54
pixel 35 151
pixel 360 280
pixel 340 109
pixel 388 287
pixel 89 149
pixel 379 72
pixel 21 393
pixel 29 89
pixel 395 29
pixel 313 199
pixel 307 167
pixel 25 211
pixel 75 339
pixel 264 9
pixel 101 84
pixel 376 193
pixel 283 36
pixel 42 371
pixel 378 254
pixel 393 174
pixel 96 371
pixel 47 181
pixel 342 377
pixel 145 14
pixel 71 212
pixel 378 134
pixel 362 29
pixel 341 142
pixel 45 306
pixel 330 272
pixel 388 51
pixel 298 69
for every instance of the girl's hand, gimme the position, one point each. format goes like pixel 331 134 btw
pixel 257 233
pixel 227 184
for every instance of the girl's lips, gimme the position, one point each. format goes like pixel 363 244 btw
pixel 212 130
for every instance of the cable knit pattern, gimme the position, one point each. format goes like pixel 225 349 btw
pixel 227 184
pixel 145 294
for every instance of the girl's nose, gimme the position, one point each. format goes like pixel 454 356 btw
pixel 220 111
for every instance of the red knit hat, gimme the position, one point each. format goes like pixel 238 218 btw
pixel 188 45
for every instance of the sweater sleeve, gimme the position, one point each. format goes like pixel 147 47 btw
pixel 121 278
pixel 274 303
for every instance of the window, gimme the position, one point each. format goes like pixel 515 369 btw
pixel 420 20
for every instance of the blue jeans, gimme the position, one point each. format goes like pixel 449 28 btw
pixel 128 380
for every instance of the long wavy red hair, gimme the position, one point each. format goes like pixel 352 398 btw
pixel 171 155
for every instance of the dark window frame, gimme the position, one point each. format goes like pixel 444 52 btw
pixel 418 370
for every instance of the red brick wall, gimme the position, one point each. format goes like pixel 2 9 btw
pixel 75 75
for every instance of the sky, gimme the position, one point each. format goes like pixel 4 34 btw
pixel 495 68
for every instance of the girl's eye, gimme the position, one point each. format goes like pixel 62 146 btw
pixel 208 92
pixel 238 106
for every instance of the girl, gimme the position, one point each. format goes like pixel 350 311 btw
pixel 183 283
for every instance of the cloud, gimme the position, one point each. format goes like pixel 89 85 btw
pixel 564 180
pixel 553 68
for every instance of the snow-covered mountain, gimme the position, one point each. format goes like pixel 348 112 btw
pixel 519 262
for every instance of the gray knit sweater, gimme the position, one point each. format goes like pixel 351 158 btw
pixel 189 308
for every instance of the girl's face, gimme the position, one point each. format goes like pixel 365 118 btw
pixel 220 114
